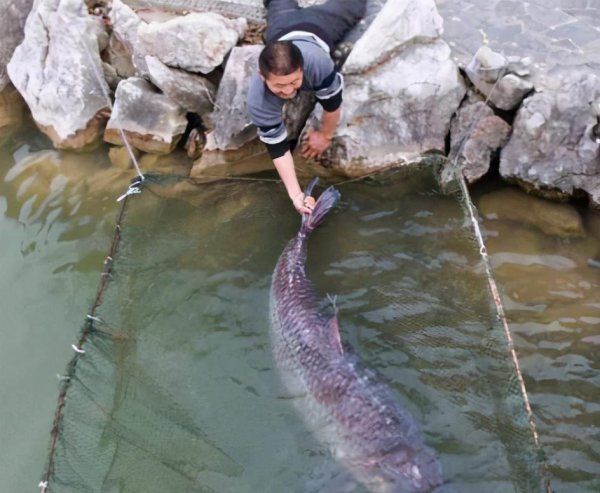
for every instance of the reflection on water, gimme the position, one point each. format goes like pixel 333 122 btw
pixel 410 294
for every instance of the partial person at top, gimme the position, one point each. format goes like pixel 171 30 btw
pixel 297 57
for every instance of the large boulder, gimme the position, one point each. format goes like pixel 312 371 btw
pixel 399 23
pixel 57 69
pixel 554 148
pixel 150 120
pixel 12 22
pixel 192 92
pixel 396 111
pixel 229 123
pixel 401 90
pixel 197 42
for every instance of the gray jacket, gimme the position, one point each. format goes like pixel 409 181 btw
pixel 320 76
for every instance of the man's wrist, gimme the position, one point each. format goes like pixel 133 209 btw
pixel 327 135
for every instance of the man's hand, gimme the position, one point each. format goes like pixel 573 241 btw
pixel 314 144
pixel 303 204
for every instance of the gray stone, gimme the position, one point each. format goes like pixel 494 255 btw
pixel 58 71
pixel 485 68
pixel 509 92
pixel 475 134
pixel 197 42
pixel 400 109
pixel 12 23
pixel 192 92
pixel 398 24
pixel 552 147
pixel 123 50
pixel 150 120
pixel 229 124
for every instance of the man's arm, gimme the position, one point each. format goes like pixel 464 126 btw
pixel 329 96
pixel 316 142
pixel 285 167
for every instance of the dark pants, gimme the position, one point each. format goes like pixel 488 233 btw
pixel 334 18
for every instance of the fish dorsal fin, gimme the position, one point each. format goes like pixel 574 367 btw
pixel 333 333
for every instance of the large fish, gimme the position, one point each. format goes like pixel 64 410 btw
pixel 348 407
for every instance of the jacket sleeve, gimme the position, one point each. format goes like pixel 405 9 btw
pixel 329 92
pixel 265 112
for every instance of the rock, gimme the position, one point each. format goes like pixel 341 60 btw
pixel 121 158
pixel 12 22
pixel 192 92
pixel 400 109
pixel 509 92
pixel 174 164
pixel 485 68
pixel 476 133
pixel 12 111
pixel 552 218
pixel 197 42
pixel 195 143
pixel 229 124
pixel 151 121
pixel 57 69
pixel 123 50
pixel 552 148
pixel 398 24
pixel 251 158
pixel 490 73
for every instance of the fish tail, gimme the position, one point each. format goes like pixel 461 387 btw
pixel 324 204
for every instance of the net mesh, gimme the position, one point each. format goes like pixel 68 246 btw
pixel 176 390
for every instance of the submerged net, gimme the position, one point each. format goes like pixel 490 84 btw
pixel 172 386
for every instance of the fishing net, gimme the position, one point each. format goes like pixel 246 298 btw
pixel 172 386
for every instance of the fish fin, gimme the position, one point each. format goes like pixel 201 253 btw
pixel 324 204
pixel 333 300
pixel 333 332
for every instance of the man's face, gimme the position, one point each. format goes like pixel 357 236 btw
pixel 284 86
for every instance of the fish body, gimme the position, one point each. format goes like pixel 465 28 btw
pixel 346 405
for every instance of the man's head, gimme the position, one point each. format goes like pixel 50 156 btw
pixel 280 65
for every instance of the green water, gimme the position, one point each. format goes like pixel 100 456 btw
pixel 191 292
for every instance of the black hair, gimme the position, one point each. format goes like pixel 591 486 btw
pixel 280 58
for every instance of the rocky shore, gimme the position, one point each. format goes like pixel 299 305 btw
pixel 173 74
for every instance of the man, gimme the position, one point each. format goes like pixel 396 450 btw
pixel 297 58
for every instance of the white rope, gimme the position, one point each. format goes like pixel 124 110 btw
pixel 77 349
pixel 493 287
pixel 495 292
pixel 110 106
pixel 133 189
